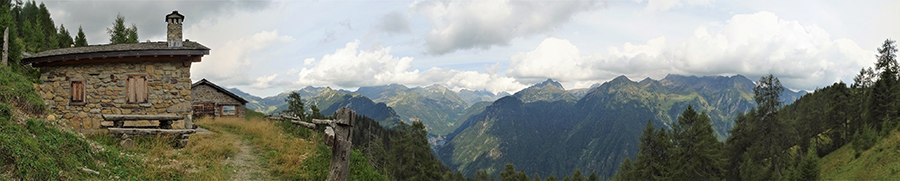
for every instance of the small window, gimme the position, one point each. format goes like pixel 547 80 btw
pixel 77 93
pixel 136 88
pixel 228 110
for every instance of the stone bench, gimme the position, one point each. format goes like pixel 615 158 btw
pixel 165 121
pixel 164 128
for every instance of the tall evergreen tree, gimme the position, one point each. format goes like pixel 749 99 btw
pixel 34 37
pixel 118 33
pixel 696 154
pixel 653 158
pixel 737 143
pixel 882 100
pixel 295 106
pixel 48 27
pixel 772 134
pixel 508 173
pixel 577 176
pixel 412 153
pixel 65 39
pixel 80 39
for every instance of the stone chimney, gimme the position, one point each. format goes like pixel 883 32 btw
pixel 173 30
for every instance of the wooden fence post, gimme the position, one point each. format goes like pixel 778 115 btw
pixel 340 151
pixel 338 133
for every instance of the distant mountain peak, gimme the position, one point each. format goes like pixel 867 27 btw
pixel 549 82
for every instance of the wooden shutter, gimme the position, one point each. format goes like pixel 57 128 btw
pixel 77 91
pixel 141 89
pixel 137 89
pixel 129 84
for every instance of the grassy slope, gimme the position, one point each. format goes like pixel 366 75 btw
pixel 881 162
pixel 290 153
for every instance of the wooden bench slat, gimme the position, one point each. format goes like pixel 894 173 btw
pixel 143 131
pixel 128 117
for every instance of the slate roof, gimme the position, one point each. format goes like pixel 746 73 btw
pixel 232 95
pixel 117 50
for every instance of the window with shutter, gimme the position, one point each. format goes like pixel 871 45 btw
pixel 136 88
pixel 77 93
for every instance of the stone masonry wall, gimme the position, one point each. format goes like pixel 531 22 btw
pixel 169 92
pixel 208 94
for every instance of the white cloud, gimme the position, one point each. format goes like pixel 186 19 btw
pixel 231 62
pixel 553 58
pixel 263 82
pixel 802 56
pixel 460 25
pixel 663 5
pixel 351 67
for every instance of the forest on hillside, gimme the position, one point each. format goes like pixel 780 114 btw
pixel 775 142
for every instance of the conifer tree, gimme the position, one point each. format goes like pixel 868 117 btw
pixel 577 176
pixel 48 28
pixel 653 158
pixel 295 106
pixel 118 33
pixel 64 38
pixel 593 177
pixel 80 39
pixel 552 178
pixel 696 154
pixel 508 173
pixel 773 134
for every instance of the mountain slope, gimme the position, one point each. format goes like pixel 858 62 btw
pixel 555 135
pixel 548 90
pixel 436 106
pixel 473 97
pixel 329 101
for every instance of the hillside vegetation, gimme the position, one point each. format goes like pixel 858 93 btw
pixel 881 162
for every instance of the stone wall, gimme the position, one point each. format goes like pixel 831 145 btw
pixel 207 94
pixel 169 92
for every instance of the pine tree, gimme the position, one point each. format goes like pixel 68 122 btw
pixel 577 176
pixel 118 33
pixel 653 158
pixel 738 143
pixel 508 173
pixel 593 177
pixel 552 178
pixel 48 28
pixel 33 37
pixel 696 154
pixel 65 39
pixel 776 138
pixel 295 106
pixel 80 40
pixel 882 100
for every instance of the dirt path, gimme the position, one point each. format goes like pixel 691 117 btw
pixel 246 165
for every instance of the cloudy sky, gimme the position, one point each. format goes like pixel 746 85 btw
pixel 267 47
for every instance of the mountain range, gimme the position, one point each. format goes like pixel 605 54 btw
pixel 544 128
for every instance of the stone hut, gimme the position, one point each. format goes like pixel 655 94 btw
pixel 153 78
pixel 210 100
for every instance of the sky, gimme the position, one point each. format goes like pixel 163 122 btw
pixel 265 47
